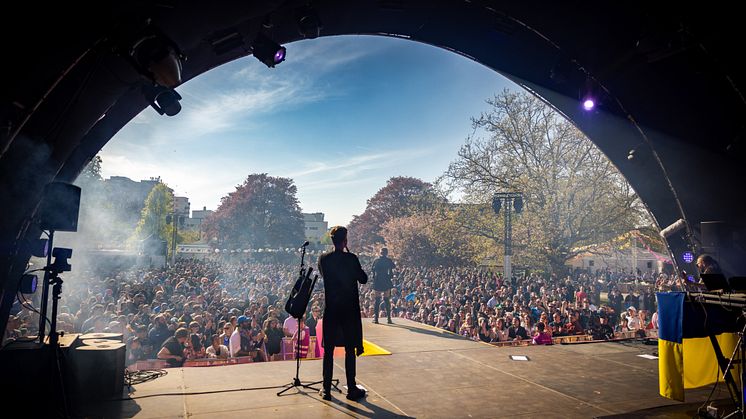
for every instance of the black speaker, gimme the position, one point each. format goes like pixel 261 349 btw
pixel 716 234
pixel 99 371
pixel 59 207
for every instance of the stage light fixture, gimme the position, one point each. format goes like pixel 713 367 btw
pixel 687 257
pixel 496 204
pixel 589 104
pixel 37 247
pixel 163 99
pixel 268 51
pixel 158 58
pixel 518 205
pixel 309 24
pixel 28 284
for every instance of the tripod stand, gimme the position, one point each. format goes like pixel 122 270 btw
pixel 52 272
pixel 296 306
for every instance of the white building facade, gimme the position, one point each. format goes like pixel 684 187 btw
pixel 315 226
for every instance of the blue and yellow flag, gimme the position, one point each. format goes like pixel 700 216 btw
pixel 686 357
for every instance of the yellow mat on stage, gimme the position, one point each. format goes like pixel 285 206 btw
pixel 371 349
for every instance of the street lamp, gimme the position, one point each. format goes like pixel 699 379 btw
pixel 177 219
pixel 510 201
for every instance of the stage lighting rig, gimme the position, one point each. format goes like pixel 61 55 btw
pixel 309 23
pixel 157 57
pixel 60 264
pixel 28 284
pixel 268 51
pixel 163 99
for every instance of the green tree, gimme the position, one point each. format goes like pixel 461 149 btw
pixel 574 196
pixel 158 205
pixel 92 171
pixel 262 212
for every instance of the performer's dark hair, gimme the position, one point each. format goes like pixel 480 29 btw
pixel 338 234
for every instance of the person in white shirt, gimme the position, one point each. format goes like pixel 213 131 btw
pixel 633 322
pixel 217 349
pixel 235 341
pixel 290 326
pixel 492 303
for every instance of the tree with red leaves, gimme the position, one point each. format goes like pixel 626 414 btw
pixel 262 212
pixel 401 197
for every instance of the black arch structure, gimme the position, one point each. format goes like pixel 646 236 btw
pixel 670 83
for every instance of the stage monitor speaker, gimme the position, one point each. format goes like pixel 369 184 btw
pixel 59 207
pixel 99 371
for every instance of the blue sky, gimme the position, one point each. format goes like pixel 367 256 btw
pixel 340 116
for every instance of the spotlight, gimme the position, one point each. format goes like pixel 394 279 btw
pixel 309 24
pixel 631 155
pixel 518 205
pixel 28 284
pixel 163 99
pixel 158 58
pixel 496 204
pixel 589 104
pixel 60 263
pixel 37 247
pixel 268 51
pixel 687 257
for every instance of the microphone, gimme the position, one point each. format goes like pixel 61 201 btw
pixel 305 244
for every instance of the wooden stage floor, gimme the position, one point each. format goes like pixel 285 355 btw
pixel 430 374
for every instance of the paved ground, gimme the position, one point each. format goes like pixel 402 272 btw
pixel 429 374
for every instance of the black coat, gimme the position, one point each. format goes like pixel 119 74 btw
pixel 342 325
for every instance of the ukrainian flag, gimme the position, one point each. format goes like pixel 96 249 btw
pixel 686 357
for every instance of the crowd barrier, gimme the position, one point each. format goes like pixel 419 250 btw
pixel 652 334
pixel 309 348
pixel 157 364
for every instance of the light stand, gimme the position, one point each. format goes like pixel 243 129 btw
pixel 52 271
pixel 296 306
pixel 45 290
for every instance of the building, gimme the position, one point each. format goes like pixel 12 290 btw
pixel 315 226
pixel 198 216
pixel 627 259
pixel 181 205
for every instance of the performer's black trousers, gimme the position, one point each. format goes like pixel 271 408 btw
pixel 349 366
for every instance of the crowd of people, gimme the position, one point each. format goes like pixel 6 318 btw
pixel 213 309
pixel 481 305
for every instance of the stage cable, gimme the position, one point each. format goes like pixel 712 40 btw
pixel 138 377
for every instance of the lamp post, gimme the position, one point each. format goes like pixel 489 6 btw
pixel 512 201
pixel 176 219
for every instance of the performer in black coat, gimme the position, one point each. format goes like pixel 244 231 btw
pixel 342 326
pixel 383 271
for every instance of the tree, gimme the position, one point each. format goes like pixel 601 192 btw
pixel 262 212
pixel 401 197
pixel 92 171
pixel 574 196
pixel 418 240
pixel 158 205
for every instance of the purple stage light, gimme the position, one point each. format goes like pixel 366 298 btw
pixel 588 104
pixel 688 257
pixel 280 55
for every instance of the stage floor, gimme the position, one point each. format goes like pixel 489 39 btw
pixel 430 373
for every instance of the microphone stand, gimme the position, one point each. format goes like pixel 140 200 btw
pixel 304 276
